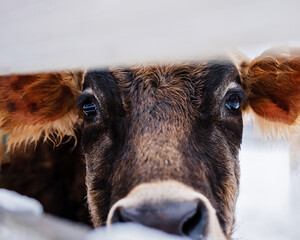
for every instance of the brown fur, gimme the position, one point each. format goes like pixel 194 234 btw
pixel 1 153
pixel 39 105
pixel 53 176
pixel 272 84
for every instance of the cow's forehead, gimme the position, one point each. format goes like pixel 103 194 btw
pixel 222 76
pixel 217 75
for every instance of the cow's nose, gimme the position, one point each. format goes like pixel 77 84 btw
pixel 185 218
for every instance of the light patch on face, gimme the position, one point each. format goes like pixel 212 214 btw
pixel 221 91
pixel 158 192
pixel 161 149
pixel 231 85
pixel 88 91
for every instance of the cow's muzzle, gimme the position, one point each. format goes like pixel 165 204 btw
pixel 171 207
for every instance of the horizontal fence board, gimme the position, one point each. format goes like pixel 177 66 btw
pixel 28 226
pixel 62 34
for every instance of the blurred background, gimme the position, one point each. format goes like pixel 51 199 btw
pixel 269 201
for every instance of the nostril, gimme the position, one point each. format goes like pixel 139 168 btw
pixel 122 215
pixel 196 223
pixel 130 214
pixel 117 216
pixel 184 218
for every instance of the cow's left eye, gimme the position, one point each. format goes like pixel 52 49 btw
pixel 88 105
pixel 89 109
pixel 233 102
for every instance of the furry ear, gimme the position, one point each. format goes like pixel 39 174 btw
pixel 39 105
pixel 272 84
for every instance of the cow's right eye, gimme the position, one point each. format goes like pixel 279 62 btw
pixel 89 109
pixel 233 102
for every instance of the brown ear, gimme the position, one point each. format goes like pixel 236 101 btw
pixel 39 105
pixel 272 84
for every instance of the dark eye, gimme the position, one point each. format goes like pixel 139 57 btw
pixel 233 102
pixel 89 109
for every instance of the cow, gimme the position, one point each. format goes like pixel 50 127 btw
pixel 160 142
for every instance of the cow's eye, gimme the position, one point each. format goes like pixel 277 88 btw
pixel 89 109
pixel 88 104
pixel 233 102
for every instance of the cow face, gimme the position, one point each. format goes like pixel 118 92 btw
pixel 160 142
pixel 161 145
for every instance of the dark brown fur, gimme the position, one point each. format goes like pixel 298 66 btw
pixel 53 176
pixel 163 123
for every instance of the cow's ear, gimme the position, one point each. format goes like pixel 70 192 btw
pixel 272 84
pixel 39 106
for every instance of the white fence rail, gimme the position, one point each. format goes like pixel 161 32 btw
pixel 52 35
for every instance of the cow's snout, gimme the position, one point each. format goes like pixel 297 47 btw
pixel 171 207
pixel 181 218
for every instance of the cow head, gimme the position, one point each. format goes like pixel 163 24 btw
pixel 161 143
